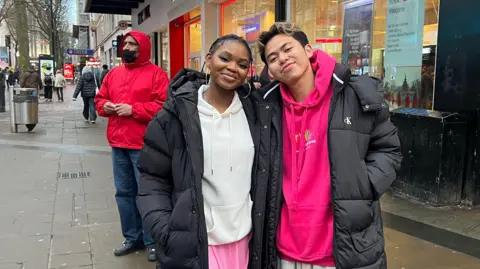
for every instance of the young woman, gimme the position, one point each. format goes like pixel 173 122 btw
pixel 202 189
pixel 87 86
pixel 59 84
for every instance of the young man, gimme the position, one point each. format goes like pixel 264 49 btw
pixel 130 96
pixel 340 154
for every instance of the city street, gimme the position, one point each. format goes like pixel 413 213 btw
pixel 57 205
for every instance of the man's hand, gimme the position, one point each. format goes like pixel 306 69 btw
pixel 123 110
pixel 109 108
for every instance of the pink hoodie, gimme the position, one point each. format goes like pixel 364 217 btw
pixel 305 233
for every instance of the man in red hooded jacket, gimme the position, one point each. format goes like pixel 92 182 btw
pixel 130 96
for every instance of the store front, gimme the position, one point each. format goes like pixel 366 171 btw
pixel 247 18
pixel 391 40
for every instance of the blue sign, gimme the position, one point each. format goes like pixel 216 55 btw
pixel 79 52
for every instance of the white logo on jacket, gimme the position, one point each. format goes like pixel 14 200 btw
pixel 347 120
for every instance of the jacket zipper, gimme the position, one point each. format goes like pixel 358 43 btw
pixel 330 116
pixel 202 230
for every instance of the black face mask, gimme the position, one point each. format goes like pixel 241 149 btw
pixel 129 56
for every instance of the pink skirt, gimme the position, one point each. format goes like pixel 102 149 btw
pixel 229 256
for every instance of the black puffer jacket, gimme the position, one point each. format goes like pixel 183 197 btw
pixel 171 164
pixel 364 152
pixel 86 84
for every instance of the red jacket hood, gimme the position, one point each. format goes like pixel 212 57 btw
pixel 144 52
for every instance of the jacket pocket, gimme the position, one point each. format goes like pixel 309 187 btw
pixel 227 224
pixel 366 239
pixel 181 217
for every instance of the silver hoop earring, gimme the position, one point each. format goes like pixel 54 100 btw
pixel 249 91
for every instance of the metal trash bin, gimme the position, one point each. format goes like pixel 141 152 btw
pixel 23 108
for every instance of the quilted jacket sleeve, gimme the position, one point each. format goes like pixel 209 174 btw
pixel 79 88
pixel 384 158
pixel 146 111
pixel 155 186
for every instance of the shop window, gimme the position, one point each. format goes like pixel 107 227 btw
pixel 322 21
pixel 164 55
pixel 248 18
pixel 391 40
pixel 194 46
pixel 404 47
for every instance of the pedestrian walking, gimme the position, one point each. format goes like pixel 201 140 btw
pixel 48 78
pixel 60 82
pixel 104 73
pixel 87 86
pixel 340 154
pixel 130 96
pixel 11 79
pixel 202 190
pixel 31 79
pixel 3 86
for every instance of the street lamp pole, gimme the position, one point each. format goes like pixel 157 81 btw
pixel 52 24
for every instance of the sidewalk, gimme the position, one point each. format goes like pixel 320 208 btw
pixel 49 216
pixel 57 205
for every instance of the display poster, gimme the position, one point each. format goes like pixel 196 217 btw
pixel 403 56
pixel 357 32
pixel 4 54
pixel 44 63
pixel 68 71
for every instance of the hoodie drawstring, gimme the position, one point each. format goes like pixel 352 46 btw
pixel 301 152
pixel 213 136
pixel 230 141
pixel 211 140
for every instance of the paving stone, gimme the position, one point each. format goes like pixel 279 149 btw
pixel 99 217
pixel 76 241
pixel 123 264
pixel 36 228
pixel 70 260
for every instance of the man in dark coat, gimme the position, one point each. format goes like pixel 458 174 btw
pixel 2 90
pixel 340 154
pixel 87 86
pixel 31 79
pixel 104 73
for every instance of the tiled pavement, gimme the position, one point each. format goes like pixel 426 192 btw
pixel 47 221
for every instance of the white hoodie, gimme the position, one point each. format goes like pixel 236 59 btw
pixel 228 159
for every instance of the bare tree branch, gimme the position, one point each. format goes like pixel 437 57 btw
pixel 5 7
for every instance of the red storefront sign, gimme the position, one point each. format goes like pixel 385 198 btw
pixel 68 71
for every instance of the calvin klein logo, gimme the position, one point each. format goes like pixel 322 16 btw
pixel 347 120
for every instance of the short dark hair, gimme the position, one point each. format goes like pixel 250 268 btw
pixel 221 40
pixel 105 66
pixel 280 28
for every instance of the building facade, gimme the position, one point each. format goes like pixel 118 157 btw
pixel 355 32
pixel 105 31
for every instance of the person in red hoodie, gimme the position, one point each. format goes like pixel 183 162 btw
pixel 130 96
pixel 340 154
